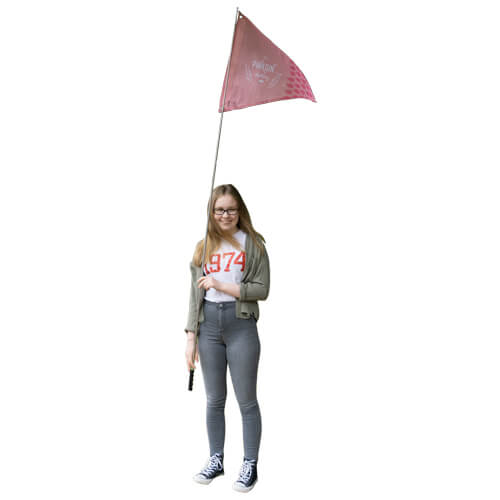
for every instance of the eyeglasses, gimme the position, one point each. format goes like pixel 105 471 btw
pixel 230 211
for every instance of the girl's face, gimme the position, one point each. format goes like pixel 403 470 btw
pixel 226 221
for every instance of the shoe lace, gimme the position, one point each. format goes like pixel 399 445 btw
pixel 246 471
pixel 214 463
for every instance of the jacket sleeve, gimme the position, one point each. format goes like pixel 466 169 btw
pixel 194 295
pixel 257 287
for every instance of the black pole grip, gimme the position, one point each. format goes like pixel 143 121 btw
pixel 191 375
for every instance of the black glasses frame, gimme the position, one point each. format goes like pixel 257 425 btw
pixel 222 211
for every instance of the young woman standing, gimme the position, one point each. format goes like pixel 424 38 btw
pixel 235 276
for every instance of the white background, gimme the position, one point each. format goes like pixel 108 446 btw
pixel 379 368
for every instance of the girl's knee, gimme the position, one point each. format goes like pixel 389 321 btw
pixel 248 406
pixel 216 402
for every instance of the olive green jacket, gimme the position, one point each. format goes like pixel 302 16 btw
pixel 254 286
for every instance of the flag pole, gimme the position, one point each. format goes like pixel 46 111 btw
pixel 191 372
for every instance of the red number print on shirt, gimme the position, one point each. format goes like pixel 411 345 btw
pixel 229 261
pixel 241 260
pixel 215 260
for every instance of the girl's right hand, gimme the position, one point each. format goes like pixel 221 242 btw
pixel 189 351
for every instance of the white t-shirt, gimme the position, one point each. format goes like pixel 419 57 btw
pixel 226 265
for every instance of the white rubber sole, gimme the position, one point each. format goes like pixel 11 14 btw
pixel 242 489
pixel 201 480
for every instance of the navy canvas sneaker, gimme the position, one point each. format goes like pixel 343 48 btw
pixel 248 476
pixel 213 468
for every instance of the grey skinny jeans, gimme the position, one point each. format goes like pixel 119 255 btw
pixel 227 340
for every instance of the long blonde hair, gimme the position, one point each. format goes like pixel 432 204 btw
pixel 215 235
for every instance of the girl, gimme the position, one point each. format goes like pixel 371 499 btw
pixel 235 276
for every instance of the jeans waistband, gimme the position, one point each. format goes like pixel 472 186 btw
pixel 219 305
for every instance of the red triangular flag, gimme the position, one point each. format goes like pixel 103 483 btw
pixel 260 72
